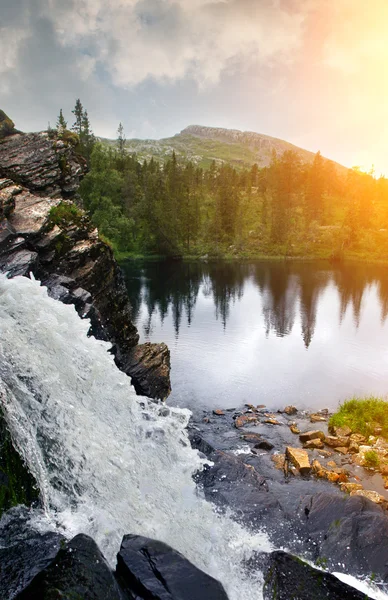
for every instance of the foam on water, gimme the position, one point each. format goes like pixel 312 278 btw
pixel 107 462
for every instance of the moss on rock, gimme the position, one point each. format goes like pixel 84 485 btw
pixel 7 126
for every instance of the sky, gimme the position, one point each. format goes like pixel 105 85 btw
pixel 312 72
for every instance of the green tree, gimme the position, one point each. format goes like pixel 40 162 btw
pixel 78 112
pixel 61 122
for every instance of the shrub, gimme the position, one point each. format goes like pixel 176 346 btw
pixel 371 459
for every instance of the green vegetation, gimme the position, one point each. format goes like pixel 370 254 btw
pixel 17 486
pixel 371 459
pixel 66 215
pixel 362 416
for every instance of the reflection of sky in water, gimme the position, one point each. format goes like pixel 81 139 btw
pixel 301 343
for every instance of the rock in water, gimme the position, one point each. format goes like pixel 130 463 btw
pixel 288 578
pixel 78 571
pixel 152 570
pixel 299 458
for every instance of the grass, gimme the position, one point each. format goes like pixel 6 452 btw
pixel 362 415
pixel 66 214
pixel 371 459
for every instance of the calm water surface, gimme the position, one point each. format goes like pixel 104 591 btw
pixel 268 333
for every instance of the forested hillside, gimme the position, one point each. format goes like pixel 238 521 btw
pixel 290 208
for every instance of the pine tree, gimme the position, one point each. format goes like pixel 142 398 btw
pixel 121 140
pixel 87 138
pixel 78 112
pixel 61 123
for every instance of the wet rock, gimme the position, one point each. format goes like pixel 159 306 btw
pixel 316 418
pixel 313 444
pixel 79 570
pixel 251 437
pixel 370 494
pixel 149 367
pixel 325 453
pixel 341 450
pixel 348 530
pixel 288 577
pixel 294 429
pixel 290 410
pixel 279 460
pixel 350 487
pixel 336 441
pixel 332 463
pixel 311 435
pixel 264 445
pixel 218 412
pixel 24 551
pixel 153 570
pixel 299 458
pixel 272 422
pixel 344 431
pixel 244 420
pixel 17 485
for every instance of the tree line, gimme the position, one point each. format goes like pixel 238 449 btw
pixel 175 207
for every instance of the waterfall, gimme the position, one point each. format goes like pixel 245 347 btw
pixel 107 461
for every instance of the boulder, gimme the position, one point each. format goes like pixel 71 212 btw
pixel 316 418
pixel 244 420
pixel 299 458
pixel 370 494
pixel 290 410
pixel 311 435
pixel 336 442
pixel 7 126
pixel 288 577
pixel 24 551
pixel 313 444
pixel 78 570
pixel 347 530
pixel 149 367
pixel 153 570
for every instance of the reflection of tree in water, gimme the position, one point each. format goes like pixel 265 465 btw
pixel 175 285
pixel 227 285
pixel 279 291
pixel 312 282
pixel 351 282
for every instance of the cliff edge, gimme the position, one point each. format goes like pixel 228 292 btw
pixel 42 232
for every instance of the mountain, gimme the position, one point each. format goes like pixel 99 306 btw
pixel 202 145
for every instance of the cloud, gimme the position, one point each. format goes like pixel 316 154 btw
pixel 172 39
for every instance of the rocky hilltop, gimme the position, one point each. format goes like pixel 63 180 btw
pixel 203 145
pixel 42 232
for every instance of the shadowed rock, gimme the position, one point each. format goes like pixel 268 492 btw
pixel 154 571
pixel 289 578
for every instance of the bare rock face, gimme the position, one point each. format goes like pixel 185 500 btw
pixel 44 234
pixel 42 162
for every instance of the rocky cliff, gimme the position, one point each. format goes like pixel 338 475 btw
pixel 42 232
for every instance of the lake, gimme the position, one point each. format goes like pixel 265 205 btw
pixel 274 333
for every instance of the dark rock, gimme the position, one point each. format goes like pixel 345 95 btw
pixel 78 570
pixel 17 486
pixel 24 552
pixel 152 570
pixel 149 367
pixel 42 163
pixel 352 531
pixel 288 578
pixel 264 445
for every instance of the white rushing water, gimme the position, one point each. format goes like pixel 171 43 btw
pixel 107 462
